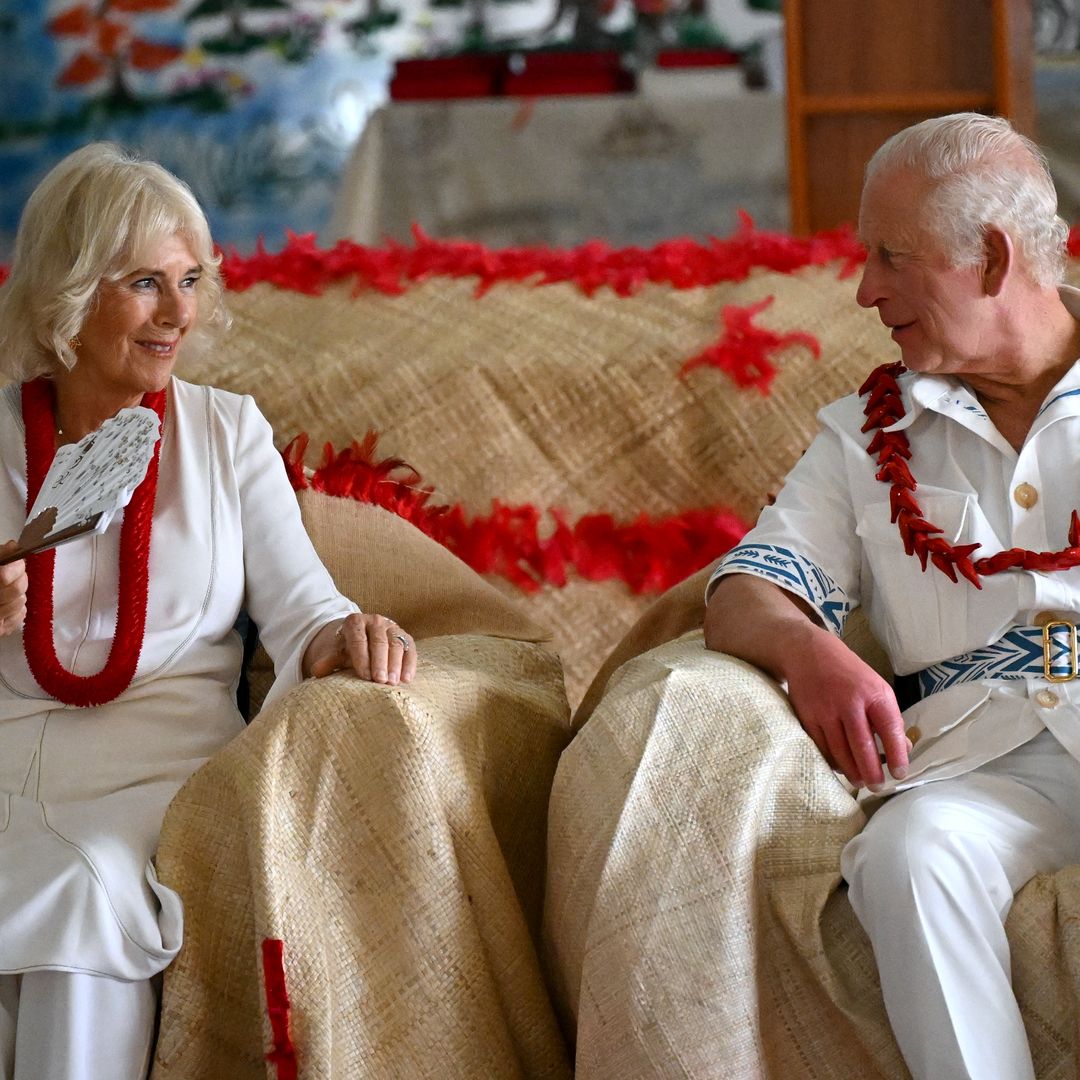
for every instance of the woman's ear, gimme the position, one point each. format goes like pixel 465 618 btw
pixel 997 259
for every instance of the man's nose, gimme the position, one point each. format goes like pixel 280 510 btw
pixel 869 292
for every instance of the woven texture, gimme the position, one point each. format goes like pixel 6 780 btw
pixel 387 565
pixel 544 395
pixel 696 924
pixel 681 610
pixel 394 840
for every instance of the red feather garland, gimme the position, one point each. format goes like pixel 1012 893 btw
pixel 744 349
pixel 135 532
pixel 303 267
pixel 522 543
pixel 683 264
pixel 884 407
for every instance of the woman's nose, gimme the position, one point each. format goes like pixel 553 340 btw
pixel 174 309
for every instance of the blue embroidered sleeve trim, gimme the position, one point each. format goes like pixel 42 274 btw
pixel 794 573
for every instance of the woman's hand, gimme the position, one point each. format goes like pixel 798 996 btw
pixel 373 646
pixel 13 583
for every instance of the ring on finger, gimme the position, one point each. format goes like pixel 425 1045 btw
pixel 405 646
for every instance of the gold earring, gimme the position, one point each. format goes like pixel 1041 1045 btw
pixel 74 342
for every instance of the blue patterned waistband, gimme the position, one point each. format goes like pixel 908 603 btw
pixel 1017 654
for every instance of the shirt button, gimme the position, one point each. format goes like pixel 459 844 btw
pixel 1025 496
pixel 1047 699
pixel 914 734
pixel 1045 617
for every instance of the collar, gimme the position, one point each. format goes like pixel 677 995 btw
pixel 941 393
pixel 1067 391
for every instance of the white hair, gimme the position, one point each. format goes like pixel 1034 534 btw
pixel 92 219
pixel 985 174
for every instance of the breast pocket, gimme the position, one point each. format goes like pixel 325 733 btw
pixel 920 617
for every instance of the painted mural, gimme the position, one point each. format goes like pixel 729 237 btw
pixel 255 103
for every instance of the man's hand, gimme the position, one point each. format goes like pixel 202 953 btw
pixel 842 703
pixel 840 700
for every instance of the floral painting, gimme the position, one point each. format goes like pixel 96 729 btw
pixel 255 103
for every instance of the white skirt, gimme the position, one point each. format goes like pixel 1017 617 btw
pixel 86 793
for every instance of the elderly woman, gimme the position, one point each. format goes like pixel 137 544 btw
pixel 118 657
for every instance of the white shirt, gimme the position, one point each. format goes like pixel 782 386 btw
pixel 829 540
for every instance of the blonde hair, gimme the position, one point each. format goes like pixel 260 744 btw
pixel 91 219
pixel 985 174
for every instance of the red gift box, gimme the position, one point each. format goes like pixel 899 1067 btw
pixel 531 74
pixel 449 77
pixel 694 58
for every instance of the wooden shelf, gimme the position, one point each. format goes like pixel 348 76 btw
pixel 858 71
pixel 929 103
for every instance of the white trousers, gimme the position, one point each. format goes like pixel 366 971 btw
pixel 56 1025
pixel 932 878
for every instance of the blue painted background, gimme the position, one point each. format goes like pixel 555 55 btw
pixel 260 133
pixel 259 111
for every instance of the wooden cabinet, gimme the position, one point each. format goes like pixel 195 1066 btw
pixel 860 70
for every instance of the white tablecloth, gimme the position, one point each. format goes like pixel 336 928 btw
pixel 560 170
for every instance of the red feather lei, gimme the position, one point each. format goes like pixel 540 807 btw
pixel 883 409
pixel 523 543
pixel 115 677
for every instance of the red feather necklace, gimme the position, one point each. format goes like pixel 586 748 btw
pixel 115 677
pixel 883 409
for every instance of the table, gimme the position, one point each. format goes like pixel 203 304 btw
pixel 630 169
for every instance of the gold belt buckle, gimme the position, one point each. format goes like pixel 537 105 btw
pixel 1047 629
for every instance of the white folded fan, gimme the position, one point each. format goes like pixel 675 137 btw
pixel 89 482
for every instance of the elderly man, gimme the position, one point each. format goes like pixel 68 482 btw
pixel 941 500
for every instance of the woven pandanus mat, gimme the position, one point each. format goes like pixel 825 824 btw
pixel 547 396
pixel 707 934
pixel 393 840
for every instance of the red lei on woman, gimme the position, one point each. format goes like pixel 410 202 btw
pixel 115 677
pixel 883 409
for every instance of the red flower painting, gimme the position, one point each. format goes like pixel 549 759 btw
pixel 110 47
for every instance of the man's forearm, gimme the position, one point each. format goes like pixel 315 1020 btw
pixel 759 622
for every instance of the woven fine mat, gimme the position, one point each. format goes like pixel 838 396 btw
pixel 394 840
pixel 696 924
pixel 586 619
pixel 546 395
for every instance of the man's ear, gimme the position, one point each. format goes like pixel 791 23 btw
pixel 997 259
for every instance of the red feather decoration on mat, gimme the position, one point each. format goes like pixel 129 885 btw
pixel 744 349
pixel 302 266
pixel 682 264
pixel 523 544
pixel 278 1008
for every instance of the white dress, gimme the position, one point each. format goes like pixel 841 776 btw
pixel 83 791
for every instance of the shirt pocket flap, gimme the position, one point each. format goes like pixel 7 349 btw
pixel 953 512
